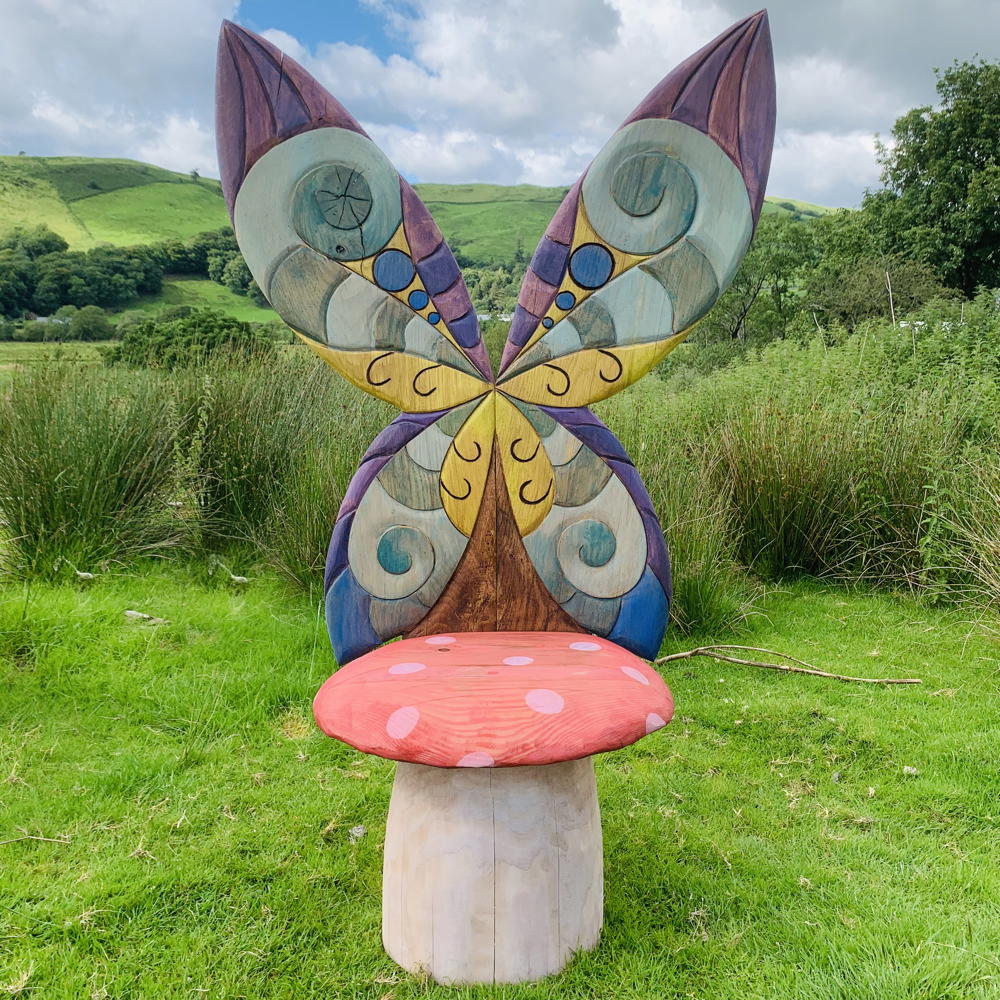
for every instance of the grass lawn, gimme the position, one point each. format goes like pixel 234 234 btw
pixel 766 844
pixel 152 212
pixel 20 356
pixel 202 293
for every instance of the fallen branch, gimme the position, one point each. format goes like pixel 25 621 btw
pixel 802 668
pixel 17 840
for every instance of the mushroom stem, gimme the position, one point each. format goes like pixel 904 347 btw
pixel 492 875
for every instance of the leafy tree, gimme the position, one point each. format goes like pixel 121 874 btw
pixel 90 323
pixel 846 291
pixel 236 275
pixel 181 342
pixel 941 201
pixel 16 281
pixel 764 296
pixel 35 242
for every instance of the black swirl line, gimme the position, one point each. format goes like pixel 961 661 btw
pixel 514 455
pixel 479 452
pixel 617 361
pixel 562 372
pixel 455 496
pixel 371 365
pixel 423 371
pixel 533 503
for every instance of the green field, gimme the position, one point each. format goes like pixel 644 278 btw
pixel 124 216
pixel 487 221
pixel 90 201
pixel 768 843
pixel 202 293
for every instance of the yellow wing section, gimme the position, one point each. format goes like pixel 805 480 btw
pixel 414 384
pixel 588 376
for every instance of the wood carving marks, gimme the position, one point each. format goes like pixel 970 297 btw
pixel 661 223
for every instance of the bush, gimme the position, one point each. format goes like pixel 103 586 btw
pixel 86 463
pixel 268 433
pixel 188 340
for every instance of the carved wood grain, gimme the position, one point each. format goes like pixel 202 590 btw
pixel 495 587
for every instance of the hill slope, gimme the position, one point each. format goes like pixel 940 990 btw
pixel 90 201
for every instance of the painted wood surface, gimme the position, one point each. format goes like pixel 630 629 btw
pixel 492 876
pixel 494 699
pixel 502 511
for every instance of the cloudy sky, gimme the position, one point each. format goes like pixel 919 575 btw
pixel 524 91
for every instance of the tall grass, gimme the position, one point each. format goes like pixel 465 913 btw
pixel 839 461
pixel 976 527
pixel 295 536
pixel 86 466
pixel 258 428
pixel 712 592
pixel 832 490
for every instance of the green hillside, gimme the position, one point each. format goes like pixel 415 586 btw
pixel 90 201
pixel 486 221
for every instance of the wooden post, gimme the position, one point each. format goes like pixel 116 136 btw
pixel 492 875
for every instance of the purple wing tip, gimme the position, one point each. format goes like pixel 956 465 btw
pixel 726 90
pixel 263 97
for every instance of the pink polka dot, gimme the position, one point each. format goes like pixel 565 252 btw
pixel 408 668
pixel 637 675
pixel 476 759
pixel 518 661
pixel 545 701
pixel 654 722
pixel 439 640
pixel 584 646
pixel 400 724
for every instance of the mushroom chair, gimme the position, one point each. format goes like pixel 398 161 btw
pixel 496 524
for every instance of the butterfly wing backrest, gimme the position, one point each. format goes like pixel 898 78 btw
pixel 496 503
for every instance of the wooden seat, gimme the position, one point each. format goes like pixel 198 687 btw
pixel 496 528
pixel 494 699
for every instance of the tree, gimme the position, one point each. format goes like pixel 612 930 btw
pixel 34 242
pixel 941 200
pixel 186 341
pixel 90 323
pixel 763 298
pixel 848 291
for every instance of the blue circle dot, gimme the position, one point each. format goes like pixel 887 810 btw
pixel 565 300
pixel 393 270
pixel 591 265
pixel 418 298
pixel 547 322
pixel 432 318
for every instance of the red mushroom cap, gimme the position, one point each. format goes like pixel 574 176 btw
pixel 493 699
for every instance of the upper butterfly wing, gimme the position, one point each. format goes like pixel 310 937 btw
pixel 341 246
pixel 651 235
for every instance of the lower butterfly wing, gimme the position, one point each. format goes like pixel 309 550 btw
pixel 599 549
pixel 394 547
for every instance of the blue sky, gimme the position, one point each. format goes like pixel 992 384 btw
pixel 312 23
pixel 523 91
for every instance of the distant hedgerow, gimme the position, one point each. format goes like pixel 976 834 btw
pixel 188 340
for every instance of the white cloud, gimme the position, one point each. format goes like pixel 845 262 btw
pixel 523 91
pixel 181 144
pixel 826 167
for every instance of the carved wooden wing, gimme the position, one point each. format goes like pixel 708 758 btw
pixel 496 504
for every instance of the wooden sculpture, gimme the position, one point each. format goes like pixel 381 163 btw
pixel 496 524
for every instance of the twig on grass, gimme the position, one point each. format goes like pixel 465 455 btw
pixel 48 840
pixel 802 668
